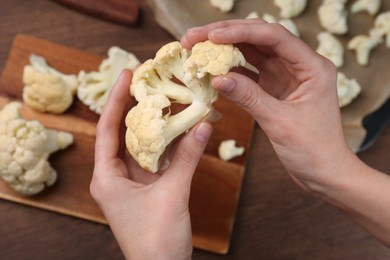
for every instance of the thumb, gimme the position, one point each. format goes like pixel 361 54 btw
pixel 187 155
pixel 246 93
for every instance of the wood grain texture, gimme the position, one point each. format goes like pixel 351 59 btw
pixel 275 219
pixel 122 12
pixel 215 189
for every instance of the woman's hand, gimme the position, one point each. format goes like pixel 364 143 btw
pixel 293 98
pixel 148 213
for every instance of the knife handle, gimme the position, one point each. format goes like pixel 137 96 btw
pixel 118 11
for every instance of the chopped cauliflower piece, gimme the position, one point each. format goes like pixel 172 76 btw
pixel 347 89
pixel 224 6
pixel 155 85
pixel 290 8
pixel 333 16
pixel 25 147
pixel 370 6
pixel 46 89
pixel 286 23
pixel 228 150
pixel 94 87
pixel 382 26
pixel 363 45
pixel 331 48
pixel 252 15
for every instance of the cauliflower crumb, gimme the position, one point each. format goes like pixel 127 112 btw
pixel 331 48
pixel 370 6
pixel 363 45
pixel 224 6
pixel 333 16
pixel 347 89
pixel 290 8
pixel 228 150
pixel 382 26
pixel 25 147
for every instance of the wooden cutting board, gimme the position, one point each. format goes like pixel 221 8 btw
pixel 216 184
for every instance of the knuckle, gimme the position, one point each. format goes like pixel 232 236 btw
pixel 188 157
pixel 249 100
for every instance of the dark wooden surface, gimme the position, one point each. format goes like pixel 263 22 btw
pixel 275 219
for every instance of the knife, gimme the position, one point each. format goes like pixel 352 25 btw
pixel 374 124
pixel 118 11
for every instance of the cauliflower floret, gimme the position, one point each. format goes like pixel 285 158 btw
pixel 363 45
pixel 290 8
pixel 382 26
pixel 347 89
pixel 333 16
pixel 331 48
pixel 286 23
pixel 94 87
pixel 224 6
pixel 25 147
pixel 175 75
pixel 46 89
pixel 228 150
pixel 370 6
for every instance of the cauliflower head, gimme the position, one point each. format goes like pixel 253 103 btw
pixel 175 75
pixel 333 16
pixel 25 147
pixel 46 89
pixel 94 87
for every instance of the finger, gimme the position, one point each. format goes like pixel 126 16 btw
pixel 200 34
pixel 247 94
pixel 187 156
pixel 269 38
pixel 108 127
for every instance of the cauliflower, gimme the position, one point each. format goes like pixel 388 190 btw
pixel 382 26
pixel 333 16
pixel 331 48
pixel 46 89
pixel 370 6
pixel 228 150
pixel 224 6
pixel 286 23
pixel 175 75
pixel 363 46
pixel 24 150
pixel 290 8
pixel 347 89
pixel 94 87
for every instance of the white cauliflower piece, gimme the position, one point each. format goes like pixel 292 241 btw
pixel 228 150
pixel 290 8
pixel 363 45
pixel 370 6
pixel 224 6
pixel 46 89
pixel 175 75
pixel 382 26
pixel 347 89
pixel 252 15
pixel 286 23
pixel 333 16
pixel 94 87
pixel 25 147
pixel 331 48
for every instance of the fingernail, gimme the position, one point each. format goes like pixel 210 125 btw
pixel 225 84
pixel 202 132
pixel 194 30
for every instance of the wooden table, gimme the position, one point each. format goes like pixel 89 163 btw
pixel 275 218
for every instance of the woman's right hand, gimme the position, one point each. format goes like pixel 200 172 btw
pixel 294 97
